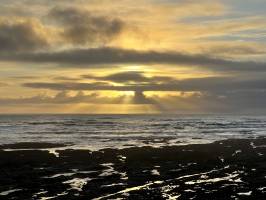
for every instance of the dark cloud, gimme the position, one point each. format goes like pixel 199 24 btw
pixel 131 76
pixel 213 84
pixel 20 36
pixel 83 27
pixel 95 56
pixel 140 98
pixel 80 27
pixel 240 102
pixel 220 84
pixel 65 78
pixel 126 77
pixel 25 77
pixel 235 50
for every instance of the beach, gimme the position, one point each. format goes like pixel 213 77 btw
pixel 228 169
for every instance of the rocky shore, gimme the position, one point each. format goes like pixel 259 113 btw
pixel 230 169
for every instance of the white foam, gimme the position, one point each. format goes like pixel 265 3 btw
pixel 155 172
pixel 42 192
pixel 213 180
pixel 77 183
pixel 167 192
pixel 136 188
pixel 58 195
pixel 237 152
pixel 221 159
pixel 189 190
pixel 109 171
pixel 122 158
pixel 39 193
pixel 53 151
pixel 200 174
pixel 262 189
pixel 83 172
pixel 114 184
pixel 5 193
pixel 227 185
pixel 204 176
pixel 253 145
pixel 123 176
pixel 238 180
pixel 245 193
pixel 58 175
pixel 170 197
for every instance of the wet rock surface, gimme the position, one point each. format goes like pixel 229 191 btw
pixel 230 169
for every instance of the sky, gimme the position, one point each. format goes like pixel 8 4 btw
pixel 133 57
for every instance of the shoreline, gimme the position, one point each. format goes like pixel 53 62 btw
pixel 46 146
pixel 227 169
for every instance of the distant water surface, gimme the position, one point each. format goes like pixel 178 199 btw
pixel 96 132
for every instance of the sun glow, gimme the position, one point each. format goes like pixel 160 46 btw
pixel 128 93
pixel 135 68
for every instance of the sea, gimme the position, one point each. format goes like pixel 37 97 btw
pixel 95 132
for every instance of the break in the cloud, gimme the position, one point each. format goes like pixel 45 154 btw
pixel 177 56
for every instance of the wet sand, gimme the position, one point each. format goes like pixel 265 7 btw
pixel 231 169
